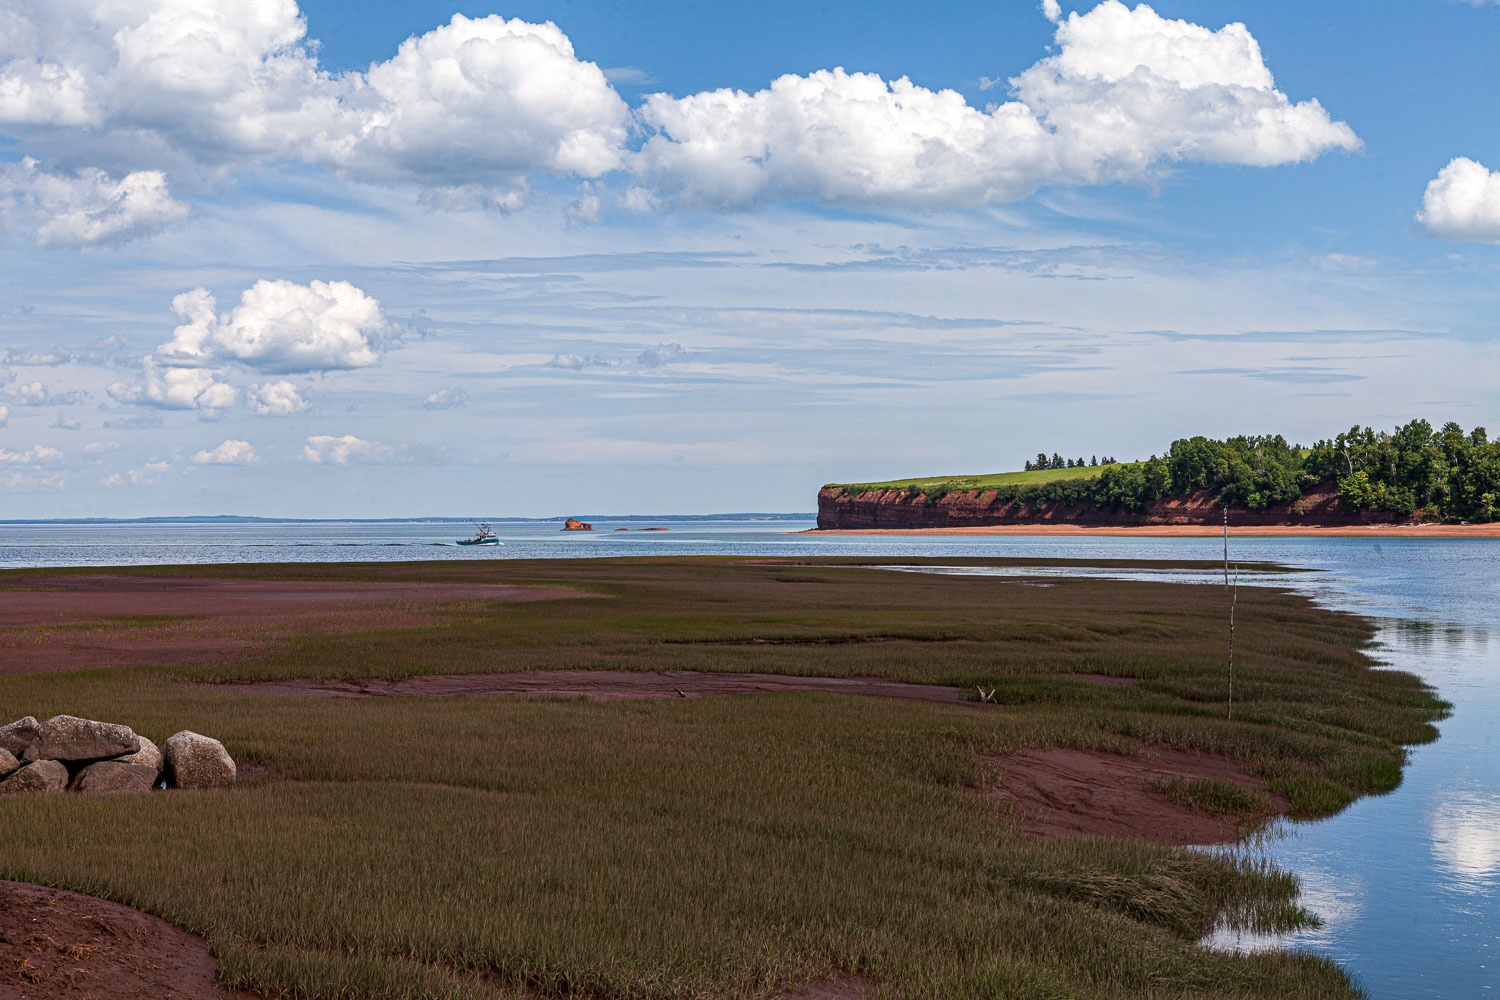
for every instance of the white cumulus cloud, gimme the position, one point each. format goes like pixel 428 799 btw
pixel 471 109
pixel 1128 87
pixel 175 388
pixel 87 208
pixel 488 99
pixel 31 456
pixel 578 362
pixel 1463 203
pixel 40 394
pixel 144 475
pixel 279 326
pixel 661 354
pixel 475 103
pixel 446 399
pixel 231 452
pixel 277 399
pixel 4 415
pixel 324 449
pixel 1127 93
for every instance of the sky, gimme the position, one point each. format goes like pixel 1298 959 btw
pixel 377 258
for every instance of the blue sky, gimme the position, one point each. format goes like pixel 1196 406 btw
pixel 363 259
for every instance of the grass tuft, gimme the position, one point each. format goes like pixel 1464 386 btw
pixel 1213 796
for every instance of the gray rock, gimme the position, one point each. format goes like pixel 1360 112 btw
pixel 195 761
pixel 19 735
pixel 147 756
pixel 35 779
pixel 67 737
pixel 8 763
pixel 107 776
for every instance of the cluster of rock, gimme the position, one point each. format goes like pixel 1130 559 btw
pixel 67 753
pixel 573 524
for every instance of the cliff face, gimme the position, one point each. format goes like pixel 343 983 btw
pixel 972 508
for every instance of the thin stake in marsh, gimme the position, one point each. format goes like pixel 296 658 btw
pixel 1233 600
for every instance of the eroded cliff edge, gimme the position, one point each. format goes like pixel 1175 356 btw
pixel 840 508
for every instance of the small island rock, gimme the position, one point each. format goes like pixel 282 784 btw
pixel 19 735
pixel 573 524
pixel 195 761
pixel 67 737
pixel 107 776
pixel 42 777
pixel 8 763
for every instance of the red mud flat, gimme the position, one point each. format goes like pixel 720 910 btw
pixel 57 945
pixel 600 685
pixel 1062 792
pixel 81 622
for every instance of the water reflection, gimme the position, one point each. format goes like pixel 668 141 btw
pixel 1331 895
pixel 1466 841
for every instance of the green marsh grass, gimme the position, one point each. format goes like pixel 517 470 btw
pixel 723 848
pixel 1213 796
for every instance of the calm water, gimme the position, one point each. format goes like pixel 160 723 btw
pixel 1408 884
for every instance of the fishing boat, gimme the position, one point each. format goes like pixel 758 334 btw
pixel 484 536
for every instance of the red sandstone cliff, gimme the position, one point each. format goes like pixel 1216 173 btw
pixel 973 508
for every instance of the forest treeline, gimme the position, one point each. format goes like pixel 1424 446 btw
pixel 1043 463
pixel 1443 474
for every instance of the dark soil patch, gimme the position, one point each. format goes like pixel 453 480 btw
pixel 1062 792
pixel 599 685
pixel 86 622
pixel 59 945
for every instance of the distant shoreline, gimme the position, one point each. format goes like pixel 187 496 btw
pixel 1190 530
pixel 246 519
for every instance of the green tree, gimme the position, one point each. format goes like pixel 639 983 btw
pixel 1355 492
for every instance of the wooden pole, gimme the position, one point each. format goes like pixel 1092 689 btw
pixel 1226 545
pixel 1234 597
pixel 1233 600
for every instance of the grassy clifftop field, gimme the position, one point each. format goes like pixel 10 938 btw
pixel 475 849
pixel 1414 473
pixel 993 480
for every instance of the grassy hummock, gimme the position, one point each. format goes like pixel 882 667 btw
pixel 487 848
